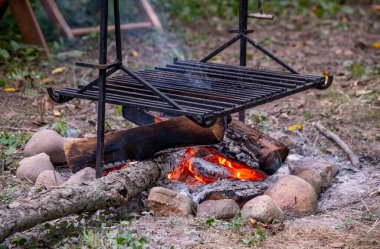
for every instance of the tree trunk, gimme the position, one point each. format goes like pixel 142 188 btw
pixel 110 191
pixel 142 142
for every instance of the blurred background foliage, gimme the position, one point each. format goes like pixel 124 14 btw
pixel 83 13
pixel 193 10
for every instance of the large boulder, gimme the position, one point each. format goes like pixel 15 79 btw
pixel 49 142
pixel 220 209
pixel 30 168
pixel 294 196
pixel 49 179
pixel 163 202
pixel 85 175
pixel 262 208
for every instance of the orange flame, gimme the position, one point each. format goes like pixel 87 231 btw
pixel 185 171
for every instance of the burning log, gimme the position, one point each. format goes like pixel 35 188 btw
pixel 209 170
pixel 142 142
pixel 252 148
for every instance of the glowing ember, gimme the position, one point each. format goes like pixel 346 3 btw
pixel 118 167
pixel 186 172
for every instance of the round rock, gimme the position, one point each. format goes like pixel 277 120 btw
pixel 82 176
pixel 49 142
pixel 49 179
pixel 294 196
pixel 30 168
pixel 311 176
pixel 220 209
pixel 262 208
pixel 163 202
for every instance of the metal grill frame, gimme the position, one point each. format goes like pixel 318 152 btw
pixel 96 89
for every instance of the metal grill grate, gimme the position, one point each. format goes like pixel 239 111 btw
pixel 204 91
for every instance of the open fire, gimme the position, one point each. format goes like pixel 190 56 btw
pixel 205 165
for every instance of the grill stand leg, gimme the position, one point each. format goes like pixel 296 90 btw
pixel 243 26
pixel 102 87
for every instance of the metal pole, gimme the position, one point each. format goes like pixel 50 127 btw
pixel 102 86
pixel 243 25
pixel 117 31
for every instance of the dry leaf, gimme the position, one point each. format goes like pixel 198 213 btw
pixel 134 53
pixel 217 59
pixel 56 113
pixel 9 90
pixel 59 70
pixel 47 80
pixel 295 127
pixel 376 45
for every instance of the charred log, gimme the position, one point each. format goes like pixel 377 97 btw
pixel 253 148
pixel 142 143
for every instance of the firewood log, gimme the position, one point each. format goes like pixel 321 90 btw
pixel 269 152
pixel 112 190
pixel 142 142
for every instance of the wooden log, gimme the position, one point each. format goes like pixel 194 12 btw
pixel 30 29
pixel 252 147
pixel 142 142
pixel 240 191
pixel 56 17
pixel 113 190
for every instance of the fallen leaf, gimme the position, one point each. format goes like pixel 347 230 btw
pixel 9 90
pixel 59 70
pixel 376 45
pixel 217 59
pixel 134 53
pixel 56 113
pixel 47 80
pixel 295 127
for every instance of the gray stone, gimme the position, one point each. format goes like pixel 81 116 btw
pixel 49 179
pixel 262 208
pixel 326 170
pixel 31 167
pixel 163 202
pixel 294 196
pixel 49 142
pixel 220 209
pixel 311 176
pixel 82 176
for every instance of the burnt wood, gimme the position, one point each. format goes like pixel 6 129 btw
pixel 270 153
pixel 142 142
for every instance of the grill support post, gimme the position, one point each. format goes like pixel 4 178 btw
pixel 102 86
pixel 243 26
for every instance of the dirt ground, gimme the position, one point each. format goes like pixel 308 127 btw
pixel 348 215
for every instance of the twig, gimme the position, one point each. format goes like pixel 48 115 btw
pixel 329 134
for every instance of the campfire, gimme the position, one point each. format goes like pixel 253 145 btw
pixel 204 165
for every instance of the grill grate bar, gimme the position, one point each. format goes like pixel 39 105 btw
pixel 225 75
pixel 187 85
pixel 254 71
pixel 204 81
